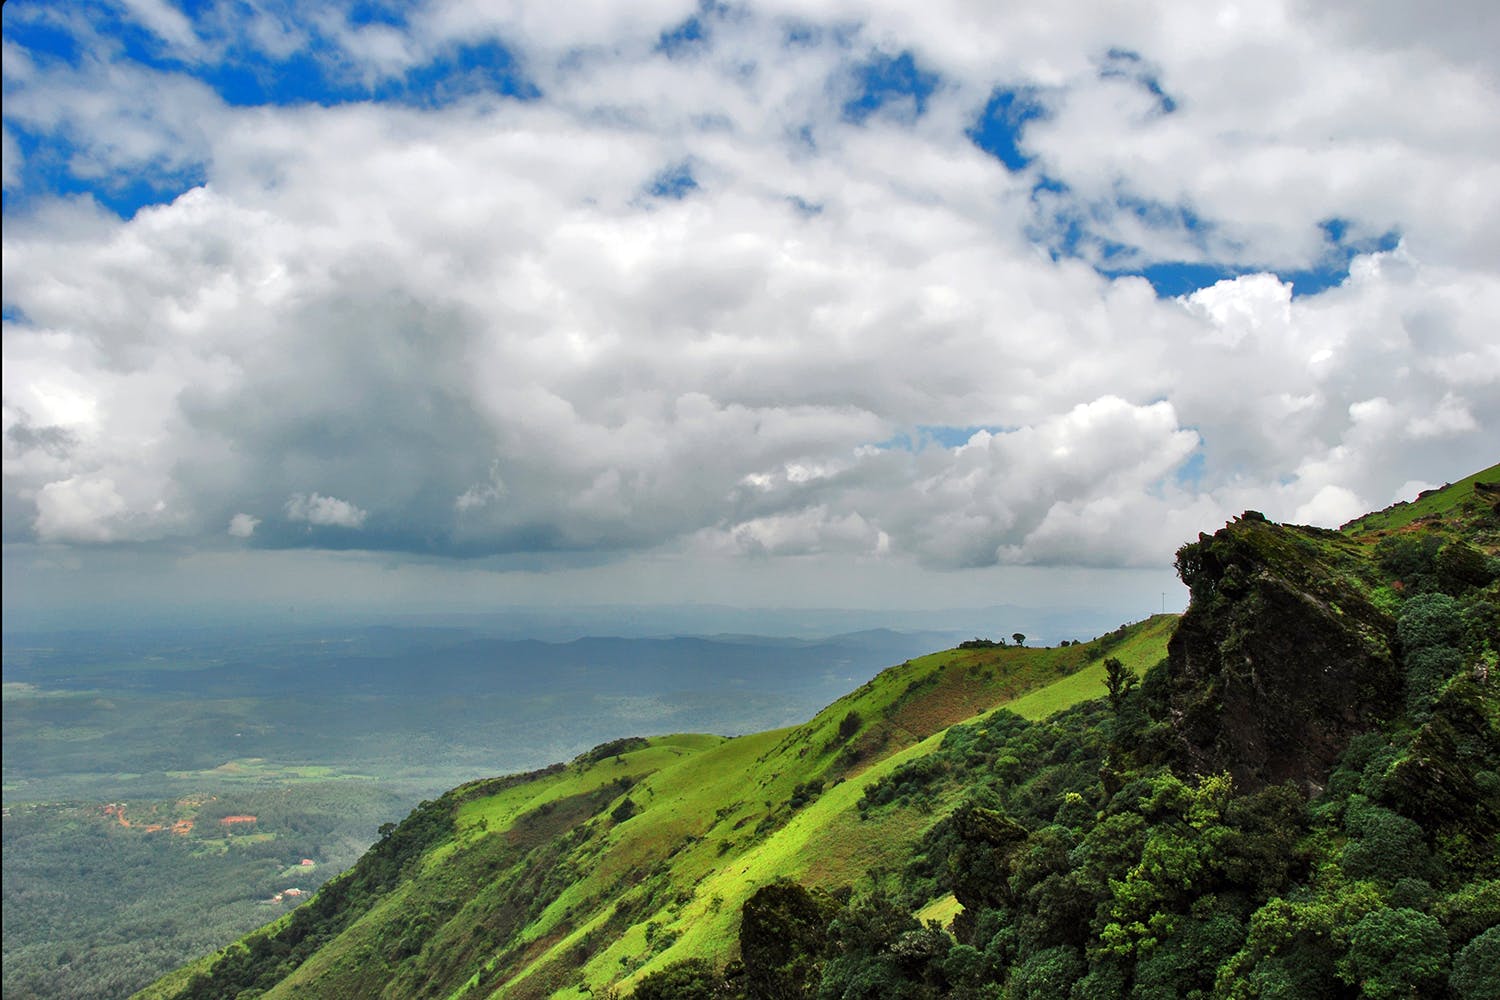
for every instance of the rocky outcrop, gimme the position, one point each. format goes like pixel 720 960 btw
pixel 1280 658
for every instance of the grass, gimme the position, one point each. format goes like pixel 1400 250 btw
pixel 942 911
pixel 1443 501
pixel 1141 651
pixel 222 845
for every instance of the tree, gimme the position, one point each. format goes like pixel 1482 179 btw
pixel 1383 845
pixel 1476 969
pixel 1048 973
pixel 1396 953
pixel 1119 679
pixel 1409 558
pixel 1459 566
pixel 1430 620
pixel 783 932
pixel 1020 638
pixel 691 979
pixel 878 951
pixel 850 725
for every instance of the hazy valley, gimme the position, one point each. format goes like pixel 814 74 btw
pixel 125 752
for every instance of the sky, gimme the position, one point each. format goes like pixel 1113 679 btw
pixel 447 303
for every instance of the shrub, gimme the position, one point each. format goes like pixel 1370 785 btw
pixel 1047 974
pixel 1386 845
pixel 1408 558
pixel 804 793
pixel 1395 953
pixel 1460 566
pixel 1430 620
pixel 850 724
pixel 692 979
pixel 1476 969
pixel 783 932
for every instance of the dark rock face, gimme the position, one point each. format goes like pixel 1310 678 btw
pixel 1280 659
pixel 1439 778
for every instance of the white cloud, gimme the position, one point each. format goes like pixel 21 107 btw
pixel 121 123
pixel 1332 506
pixel 1409 490
pixel 1450 417
pixel 242 525
pixel 166 22
pixel 808 532
pixel 78 509
pixel 11 160
pixel 322 511
pixel 476 318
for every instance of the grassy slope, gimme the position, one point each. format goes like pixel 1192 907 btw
pixel 1445 501
pixel 1458 510
pixel 714 819
pixel 1141 650
pixel 826 842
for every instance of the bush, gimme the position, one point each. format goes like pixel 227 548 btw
pixel 1469 911
pixel 1430 620
pixel 804 793
pixel 1427 670
pixel 1459 566
pixel 783 931
pixel 1408 558
pixel 850 725
pixel 1396 954
pixel 1385 845
pixel 1047 974
pixel 692 979
pixel 1476 970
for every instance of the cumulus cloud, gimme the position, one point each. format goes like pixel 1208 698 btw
pixel 999 496
pixel 242 525
pixel 319 510
pixel 1331 505
pixel 120 124
pixel 494 331
pixel 78 509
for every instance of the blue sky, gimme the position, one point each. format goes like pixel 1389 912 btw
pixel 710 299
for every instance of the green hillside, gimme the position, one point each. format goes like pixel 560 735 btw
pixel 1464 500
pixel 643 852
pixel 1293 790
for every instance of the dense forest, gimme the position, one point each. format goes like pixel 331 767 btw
pixel 101 897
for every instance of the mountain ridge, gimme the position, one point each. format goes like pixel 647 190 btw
pixel 940 785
